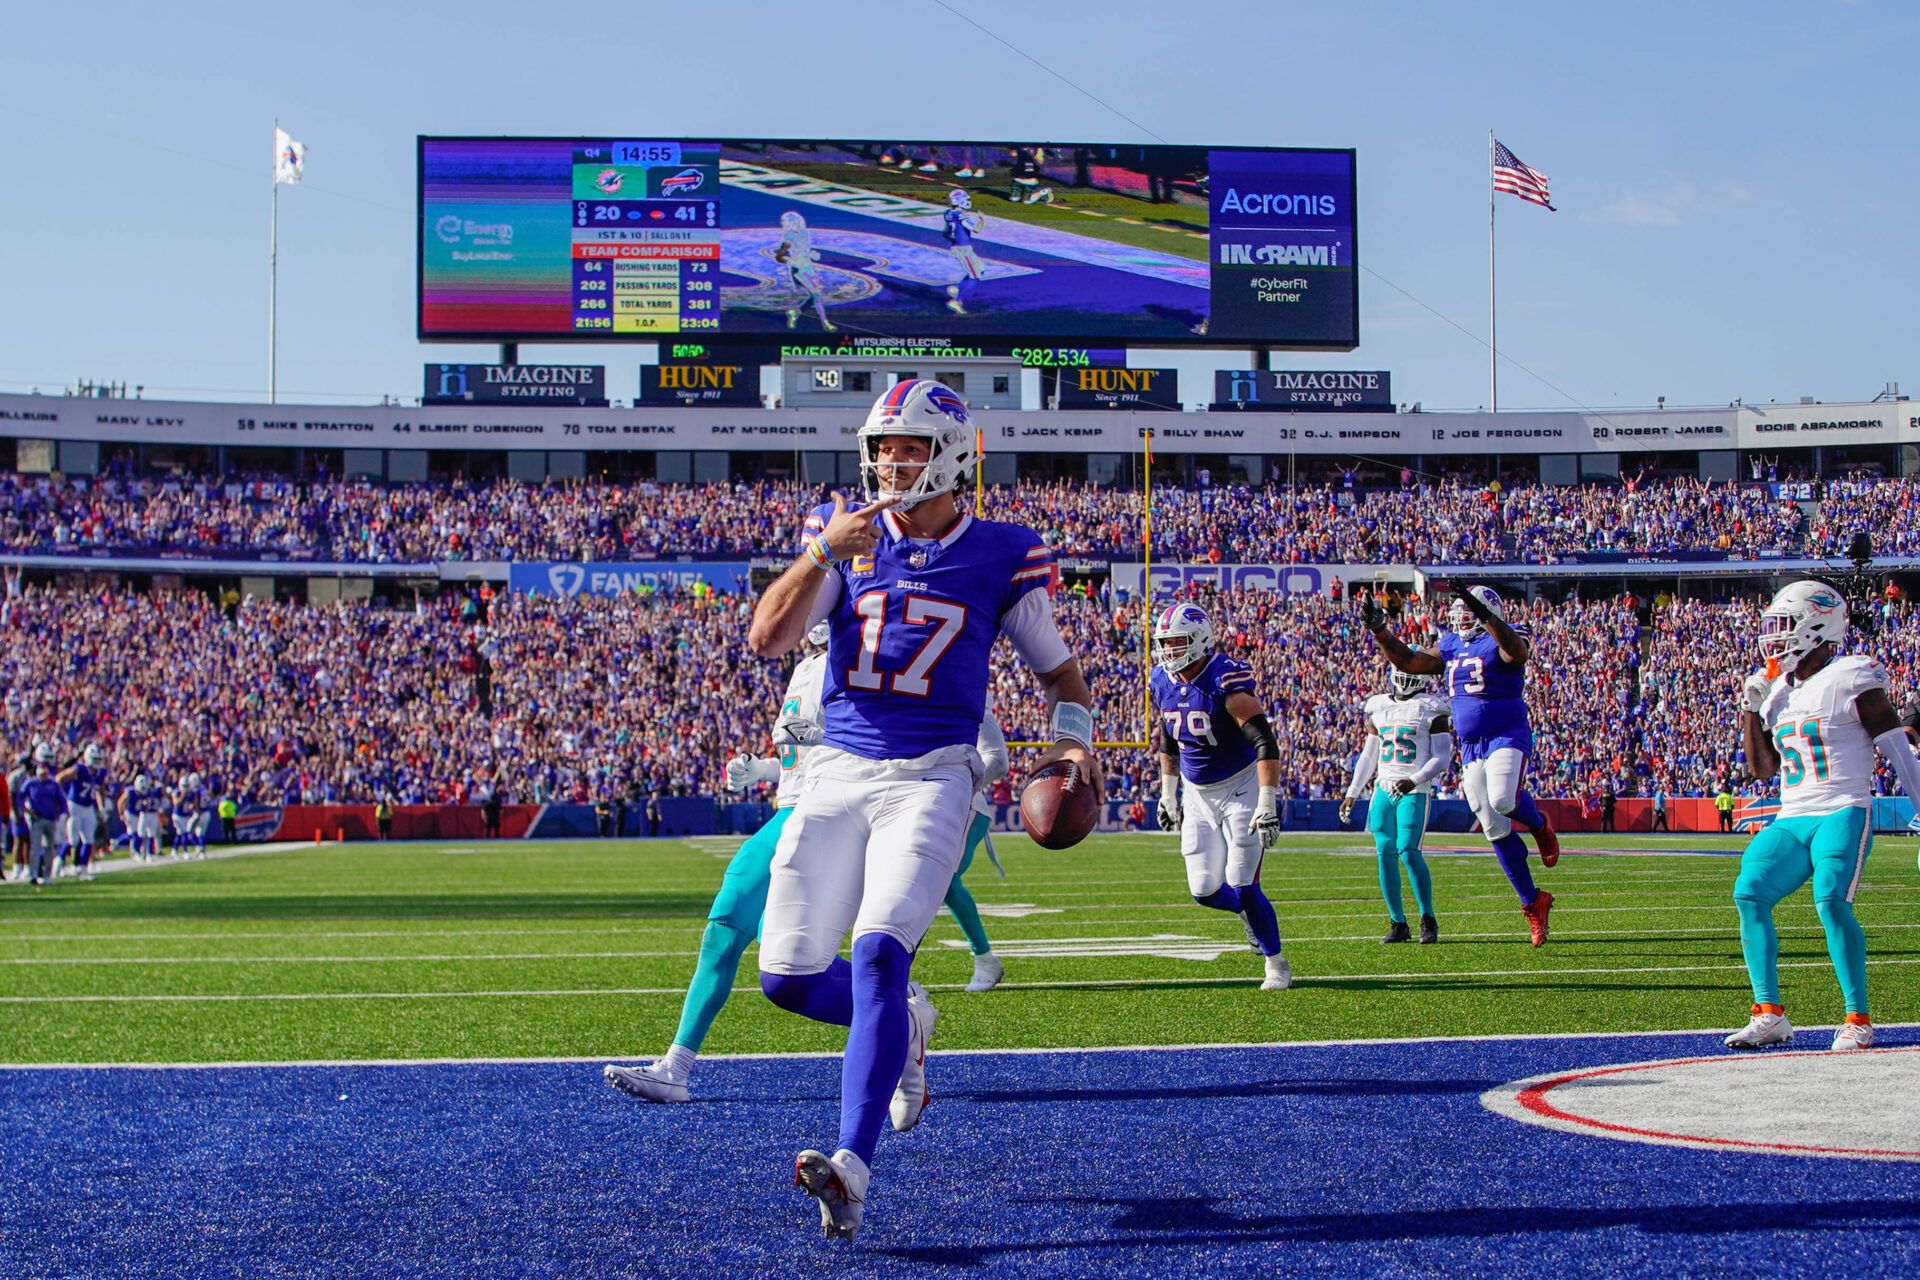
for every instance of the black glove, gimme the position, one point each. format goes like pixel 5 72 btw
pixel 1475 605
pixel 1373 617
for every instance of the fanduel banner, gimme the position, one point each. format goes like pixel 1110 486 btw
pixel 1100 388
pixel 1304 390
pixel 623 579
pixel 577 384
pixel 703 383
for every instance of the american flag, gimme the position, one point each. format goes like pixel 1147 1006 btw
pixel 1515 178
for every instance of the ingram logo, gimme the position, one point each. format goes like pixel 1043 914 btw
pixel 566 579
pixel 1276 255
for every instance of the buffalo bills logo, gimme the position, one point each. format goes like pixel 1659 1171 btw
pixel 682 183
pixel 608 181
pixel 948 403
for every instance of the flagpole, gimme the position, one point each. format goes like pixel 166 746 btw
pixel 1493 296
pixel 273 280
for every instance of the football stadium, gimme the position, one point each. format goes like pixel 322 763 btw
pixel 930 705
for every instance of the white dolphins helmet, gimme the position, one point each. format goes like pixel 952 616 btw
pixel 1460 619
pixel 931 411
pixel 140 782
pixel 1182 636
pixel 817 634
pixel 960 198
pixel 93 755
pixel 1803 616
pixel 792 221
pixel 1406 684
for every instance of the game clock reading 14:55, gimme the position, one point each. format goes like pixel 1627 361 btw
pixel 646 238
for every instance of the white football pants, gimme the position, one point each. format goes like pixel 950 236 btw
pixel 871 846
pixel 1216 832
pixel 1491 786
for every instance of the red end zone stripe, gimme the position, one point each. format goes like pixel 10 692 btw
pixel 1534 1099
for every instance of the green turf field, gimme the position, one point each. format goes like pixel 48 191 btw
pixel 580 948
pixel 1178 229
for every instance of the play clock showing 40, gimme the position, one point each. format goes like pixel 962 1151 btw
pixel 646 238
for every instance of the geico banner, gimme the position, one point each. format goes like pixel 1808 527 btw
pixel 623 579
pixel 1280 579
pixel 1115 431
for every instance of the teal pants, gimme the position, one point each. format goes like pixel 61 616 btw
pixel 732 923
pixel 1831 850
pixel 960 898
pixel 1398 827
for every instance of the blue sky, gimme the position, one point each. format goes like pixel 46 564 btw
pixel 1736 182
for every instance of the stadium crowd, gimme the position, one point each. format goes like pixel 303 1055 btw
pixel 591 698
pixel 1418 521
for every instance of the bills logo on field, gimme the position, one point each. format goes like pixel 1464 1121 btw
pixel 1752 815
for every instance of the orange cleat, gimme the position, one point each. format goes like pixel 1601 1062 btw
pixel 1548 843
pixel 1536 914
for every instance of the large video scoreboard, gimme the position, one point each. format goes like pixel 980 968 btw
pixel 636 238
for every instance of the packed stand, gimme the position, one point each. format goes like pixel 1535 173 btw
pixel 1441 522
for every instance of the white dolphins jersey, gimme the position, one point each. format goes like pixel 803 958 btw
pixel 1405 729
pixel 803 699
pixel 1826 754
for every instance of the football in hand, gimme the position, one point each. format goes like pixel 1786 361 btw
pixel 1057 806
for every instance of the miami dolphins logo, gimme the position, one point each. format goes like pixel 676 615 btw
pixel 609 181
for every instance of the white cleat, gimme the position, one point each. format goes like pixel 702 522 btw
pixel 839 1183
pixel 911 1096
pixel 987 972
pixel 650 1081
pixel 1279 974
pixel 1763 1030
pixel 1853 1035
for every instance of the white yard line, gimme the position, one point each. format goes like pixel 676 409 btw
pixel 1043 985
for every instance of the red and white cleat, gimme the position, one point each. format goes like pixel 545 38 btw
pixel 1536 914
pixel 839 1183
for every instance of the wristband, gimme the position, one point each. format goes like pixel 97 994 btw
pixel 1073 721
pixel 818 554
pixel 1269 801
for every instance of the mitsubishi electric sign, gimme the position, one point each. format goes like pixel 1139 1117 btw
pixel 1304 390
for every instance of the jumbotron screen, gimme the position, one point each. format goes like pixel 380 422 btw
pixel 635 238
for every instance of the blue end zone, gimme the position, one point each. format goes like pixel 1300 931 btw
pixel 1334 1161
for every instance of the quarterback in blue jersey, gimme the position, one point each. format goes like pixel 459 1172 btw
pixel 1219 775
pixel 915 591
pixel 1483 660
pixel 962 223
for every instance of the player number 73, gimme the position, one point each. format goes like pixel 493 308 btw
pixel 944 616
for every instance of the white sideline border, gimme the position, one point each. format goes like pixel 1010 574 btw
pixel 811 1054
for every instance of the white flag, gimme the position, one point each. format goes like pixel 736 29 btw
pixel 289 157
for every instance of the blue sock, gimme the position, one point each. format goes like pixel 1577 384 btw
pixel 1259 913
pixel 876 1042
pixel 1422 879
pixel 1526 812
pixel 1225 898
pixel 1512 852
pixel 721 947
pixel 824 997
